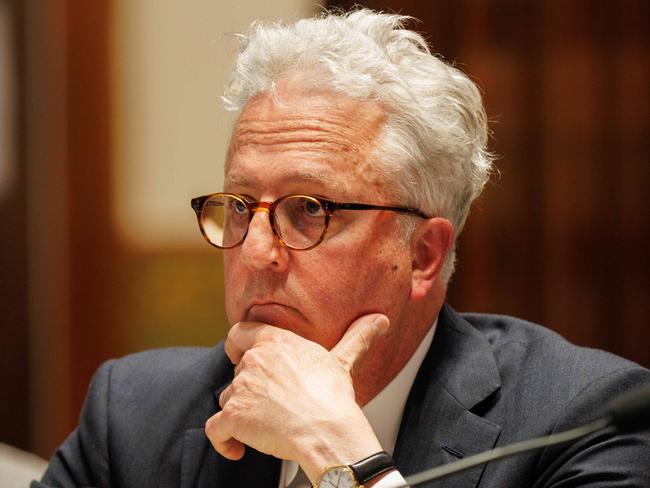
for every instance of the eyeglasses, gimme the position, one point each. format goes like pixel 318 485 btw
pixel 299 221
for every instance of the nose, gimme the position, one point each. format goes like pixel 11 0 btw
pixel 262 249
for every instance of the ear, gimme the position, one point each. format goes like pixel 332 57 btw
pixel 431 242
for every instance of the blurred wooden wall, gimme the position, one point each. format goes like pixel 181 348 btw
pixel 75 294
pixel 561 236
pixel 14 348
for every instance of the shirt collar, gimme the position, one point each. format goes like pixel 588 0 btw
pixel 384 412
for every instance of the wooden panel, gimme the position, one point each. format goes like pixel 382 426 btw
pixel 91 298
pixel 13 243
pixel 46 210
pixel 89 148
pixel 561 235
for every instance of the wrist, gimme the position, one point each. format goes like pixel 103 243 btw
pixel 315 464
pixel 344 444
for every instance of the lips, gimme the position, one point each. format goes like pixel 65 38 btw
pixel 276 314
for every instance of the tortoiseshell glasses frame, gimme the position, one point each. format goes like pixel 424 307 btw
pixel 299 221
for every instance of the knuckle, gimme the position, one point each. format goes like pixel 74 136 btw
pixel 235 386
pixel 223 398
pixel 229 411
pixel 239 387
pixel 211 424
pixel 250 359
pixel 238 367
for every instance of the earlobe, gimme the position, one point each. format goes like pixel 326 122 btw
pixel 430 246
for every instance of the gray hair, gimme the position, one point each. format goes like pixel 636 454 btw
pixel 433 146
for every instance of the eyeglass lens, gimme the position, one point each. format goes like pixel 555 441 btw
pixel 299 220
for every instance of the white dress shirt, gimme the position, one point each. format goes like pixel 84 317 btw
pixel 384 412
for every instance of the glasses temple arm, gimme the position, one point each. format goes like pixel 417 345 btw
pixel 367 206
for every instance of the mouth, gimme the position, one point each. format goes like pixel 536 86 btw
pixel 276 314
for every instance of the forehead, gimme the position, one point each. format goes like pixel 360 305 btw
pixel 294 137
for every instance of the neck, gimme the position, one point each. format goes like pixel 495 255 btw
pixel 391 352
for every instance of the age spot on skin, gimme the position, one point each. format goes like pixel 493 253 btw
pixel 394 268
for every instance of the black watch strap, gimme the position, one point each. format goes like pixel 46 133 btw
pixel 372 466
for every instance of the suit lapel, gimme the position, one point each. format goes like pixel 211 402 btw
pixel 440 422
pixel 196 464
pixel 203 467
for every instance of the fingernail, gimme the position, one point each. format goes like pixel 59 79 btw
pixel 382 323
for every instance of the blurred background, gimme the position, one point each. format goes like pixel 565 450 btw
pixel 110 122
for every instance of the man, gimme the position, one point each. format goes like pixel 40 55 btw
pixel 349 176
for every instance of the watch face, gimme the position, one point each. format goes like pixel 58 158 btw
pixel 338 477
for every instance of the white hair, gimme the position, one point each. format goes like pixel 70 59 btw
pixel 433 146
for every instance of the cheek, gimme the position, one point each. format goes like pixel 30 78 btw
pixel 355 285
pixel 382 285
pixel 383 278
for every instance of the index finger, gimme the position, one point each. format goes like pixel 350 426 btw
pixel 243 336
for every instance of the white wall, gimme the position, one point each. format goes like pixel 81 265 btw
pixel 170 59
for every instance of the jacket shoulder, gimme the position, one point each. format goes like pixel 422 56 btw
pixel 174 383
pixel 549 385
pixel 516 340
pixel 135 416
pixel 544 373
pixel 159 370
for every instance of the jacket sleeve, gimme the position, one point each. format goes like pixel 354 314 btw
pixel 605 458
pixel 82 460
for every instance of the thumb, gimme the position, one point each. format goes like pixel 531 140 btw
pixel 358 339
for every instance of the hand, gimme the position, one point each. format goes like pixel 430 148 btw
pixel 293 399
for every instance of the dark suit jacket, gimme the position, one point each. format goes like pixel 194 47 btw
pixel 486 381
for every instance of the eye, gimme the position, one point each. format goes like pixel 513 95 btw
pixel 238 207
pixel 313 208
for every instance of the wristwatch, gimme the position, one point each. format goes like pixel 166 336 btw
pixel 357 474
